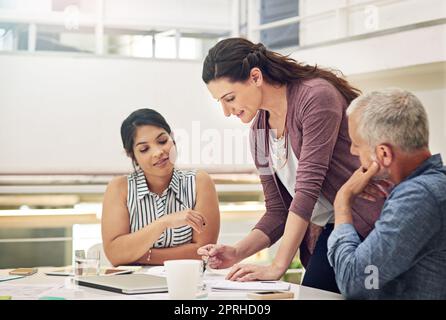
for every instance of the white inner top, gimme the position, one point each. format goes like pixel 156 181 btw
pixel 323 212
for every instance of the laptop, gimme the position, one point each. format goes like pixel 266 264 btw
pixel 126 283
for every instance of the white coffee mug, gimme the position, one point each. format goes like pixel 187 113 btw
pixel 182 278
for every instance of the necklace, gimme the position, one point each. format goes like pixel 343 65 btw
pixel 279 150
pixel 279 145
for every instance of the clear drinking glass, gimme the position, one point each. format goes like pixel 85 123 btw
pixel 202 288
pixel 86 266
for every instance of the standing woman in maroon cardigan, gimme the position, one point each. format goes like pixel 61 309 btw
pixel 301 147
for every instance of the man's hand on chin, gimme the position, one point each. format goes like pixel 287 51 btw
pixel 352 188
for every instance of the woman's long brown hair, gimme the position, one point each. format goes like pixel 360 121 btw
pixel 234 58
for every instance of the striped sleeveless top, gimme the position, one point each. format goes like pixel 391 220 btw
pixel 145 206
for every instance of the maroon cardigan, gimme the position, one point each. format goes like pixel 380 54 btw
pixel 318 131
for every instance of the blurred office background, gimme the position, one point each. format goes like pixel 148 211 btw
pixel 72 70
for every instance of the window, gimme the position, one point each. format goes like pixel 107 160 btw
pixel 274 10
pixel 6 38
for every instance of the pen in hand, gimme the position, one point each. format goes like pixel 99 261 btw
pixel 184 207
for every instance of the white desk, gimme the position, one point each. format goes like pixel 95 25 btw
pixel 70 291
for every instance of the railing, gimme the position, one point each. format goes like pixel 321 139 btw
pixel 89 184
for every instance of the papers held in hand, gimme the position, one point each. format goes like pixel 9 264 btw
pixel 227 285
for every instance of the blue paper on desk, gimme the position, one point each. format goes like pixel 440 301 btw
pixel 228 285
pixel 6 278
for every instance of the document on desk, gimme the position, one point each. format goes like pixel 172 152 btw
pixel 25 291
pixel 228 285
pixel 156 271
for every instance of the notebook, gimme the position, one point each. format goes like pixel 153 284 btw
pixel 227 285
pixel 104 271
pixel 126 283
pixel 8 277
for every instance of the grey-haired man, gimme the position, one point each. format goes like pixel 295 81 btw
pixel 404 257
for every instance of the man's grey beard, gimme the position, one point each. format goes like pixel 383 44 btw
pixel 383 173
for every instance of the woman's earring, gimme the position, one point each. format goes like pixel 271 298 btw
pixel 135 166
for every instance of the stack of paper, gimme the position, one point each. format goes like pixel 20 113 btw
pixel 227 285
